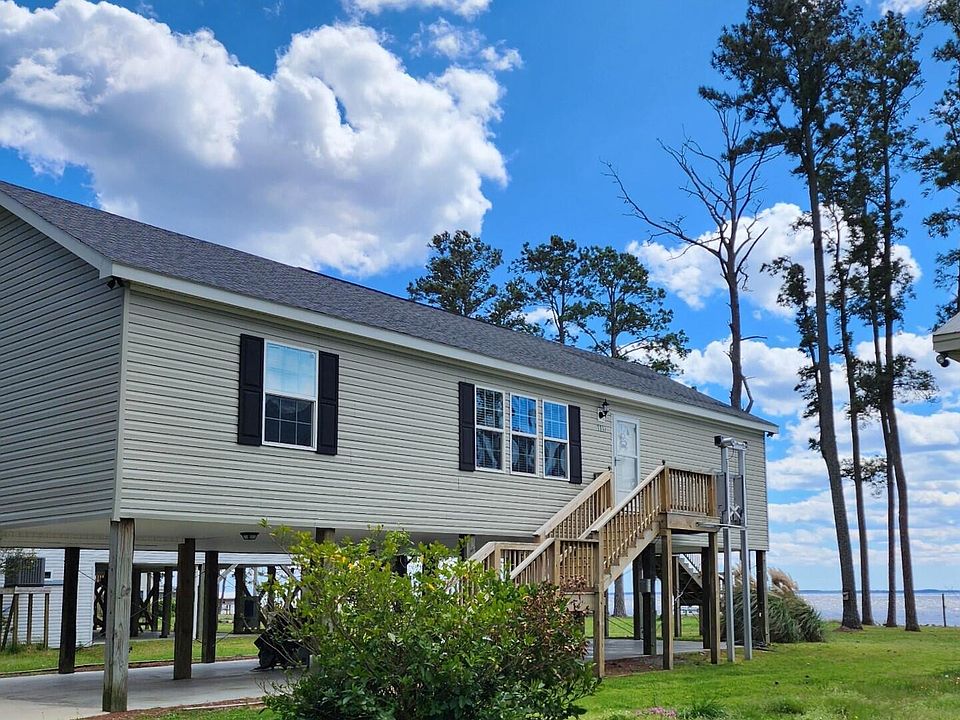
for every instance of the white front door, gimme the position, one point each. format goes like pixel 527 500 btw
pixel 626 454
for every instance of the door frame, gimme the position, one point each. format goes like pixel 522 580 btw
pixel 626 417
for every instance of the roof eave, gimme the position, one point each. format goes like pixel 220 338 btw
pixel 102 263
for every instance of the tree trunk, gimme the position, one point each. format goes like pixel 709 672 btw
pixel 736 340
pixel 619 600
pixel 896 456
pixel 891 551
pixel 828 434
pixel 866 602
pixel 850 367
pixel 911 622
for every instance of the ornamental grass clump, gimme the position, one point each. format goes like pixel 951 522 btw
pixel 432 639
pixel 792 619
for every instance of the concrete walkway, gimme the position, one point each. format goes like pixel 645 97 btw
pixel 625 648
pixel 66 697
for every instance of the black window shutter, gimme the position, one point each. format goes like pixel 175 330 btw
pixel 468 436
pixel 576 454
pixel 329 402
pixel 250 415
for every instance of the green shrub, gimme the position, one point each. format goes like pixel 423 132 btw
pixel 391 646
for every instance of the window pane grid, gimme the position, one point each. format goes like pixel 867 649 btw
pixel 523 435
pixel 555 440
pixel 290 395
pixel 489 428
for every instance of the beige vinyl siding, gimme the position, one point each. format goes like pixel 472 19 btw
pixel 398 441
pixel 60 329
pixel 688 443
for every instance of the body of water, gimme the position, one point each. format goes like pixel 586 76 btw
pixel 929 607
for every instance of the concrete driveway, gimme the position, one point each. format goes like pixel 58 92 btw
pixel 67 697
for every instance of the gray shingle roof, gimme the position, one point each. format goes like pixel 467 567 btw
pixel 146 247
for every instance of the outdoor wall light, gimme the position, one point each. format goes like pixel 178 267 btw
pixel 249 535
pixel 603 410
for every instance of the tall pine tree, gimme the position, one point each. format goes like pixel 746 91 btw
pixel 789 59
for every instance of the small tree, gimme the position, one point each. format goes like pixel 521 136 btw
pixel 509 309
pixel 444 639
pixel 458 274
pixel 551 275
pixel 628 311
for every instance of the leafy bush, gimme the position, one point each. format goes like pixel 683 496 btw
pixel 792 619
pixel 444 640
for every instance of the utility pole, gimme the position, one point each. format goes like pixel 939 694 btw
pixel 733 513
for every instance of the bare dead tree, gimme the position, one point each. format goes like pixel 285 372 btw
pixel 728 187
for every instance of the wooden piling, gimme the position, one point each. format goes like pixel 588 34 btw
pixel 167 602
pixel 183 628
pixel 211 583
pixel 119 591
pixel 712 581
pixel 666 597
pixel 763 597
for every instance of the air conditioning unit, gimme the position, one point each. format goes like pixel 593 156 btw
pixel 23 572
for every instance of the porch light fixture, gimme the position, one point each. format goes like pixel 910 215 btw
pixel 603 410
pixel 249 535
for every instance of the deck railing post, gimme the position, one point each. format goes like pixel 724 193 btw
pixel 555 571
pixel 599 608
pixel 665 494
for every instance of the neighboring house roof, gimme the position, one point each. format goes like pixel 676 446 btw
pixel 138 245
pixel 946 338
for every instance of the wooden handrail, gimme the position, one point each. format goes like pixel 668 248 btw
pixel 596 498
pixel 602 520
pixel 606 533
pixel 532 557
pixel 483 553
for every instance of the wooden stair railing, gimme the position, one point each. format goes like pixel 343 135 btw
pixel 574 518
pixel 627 528
pixel 568 564
pixel 504 556
pixel 566 546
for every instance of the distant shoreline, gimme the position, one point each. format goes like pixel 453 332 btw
pixel 925 591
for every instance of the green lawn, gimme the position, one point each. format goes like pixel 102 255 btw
pixel 25 658
pixel 879 674
pixel 622 627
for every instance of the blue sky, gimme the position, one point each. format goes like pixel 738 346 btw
pixel 341 135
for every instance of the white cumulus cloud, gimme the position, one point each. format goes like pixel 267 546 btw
pixel 694 274
pixel 465 46
pixel 902 6
pixel 340 158
pixel 464 8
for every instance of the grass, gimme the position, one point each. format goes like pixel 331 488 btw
pixel 622 627
pixel 879 674
pixel 30 658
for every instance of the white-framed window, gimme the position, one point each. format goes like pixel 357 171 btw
pixel 556 440
pixel 523 435
pixel 489 429
pixel 289 396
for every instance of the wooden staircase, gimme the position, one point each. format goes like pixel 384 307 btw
pixel 591 541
